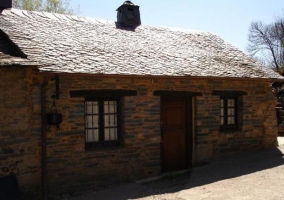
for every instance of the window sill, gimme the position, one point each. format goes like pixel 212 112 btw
pixel 104 148
pixel 231 132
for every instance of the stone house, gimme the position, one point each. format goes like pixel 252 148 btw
pixel 87 103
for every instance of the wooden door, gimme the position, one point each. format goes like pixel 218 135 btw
pixel 176 137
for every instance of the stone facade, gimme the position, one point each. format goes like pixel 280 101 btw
pixel 71 168
pixel 20 144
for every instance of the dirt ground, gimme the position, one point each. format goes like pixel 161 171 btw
pixel 242 176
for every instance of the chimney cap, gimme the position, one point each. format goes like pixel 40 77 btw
pixel 127 3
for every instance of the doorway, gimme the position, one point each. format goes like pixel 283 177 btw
pixel 176 126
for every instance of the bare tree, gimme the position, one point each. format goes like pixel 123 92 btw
pixel 55 6
pixel 268 41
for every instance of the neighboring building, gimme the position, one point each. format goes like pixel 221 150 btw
pixel 136 101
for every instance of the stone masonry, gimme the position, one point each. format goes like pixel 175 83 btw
pixel 19 144
pixel 72 168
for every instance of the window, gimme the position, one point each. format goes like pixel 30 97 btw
pixel 231 109
pixel 102 116
pixel 101 123
pixel 229 113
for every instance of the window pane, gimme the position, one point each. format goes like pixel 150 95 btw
pixel 92 135
pixel 113 134
pixel 106 134
pixel 107 123
pixel 89 109
pixel 92 121
pixel 106 106
pixel 110 120
pixel 231 120
pixel 95 108
pixel 92 107
pixel 222 111
pixel 222 103
pixel 89 103
pixel 113 120
pixel 222 120
pixel 110 106
pixel 231 103
pixel 110 134
pixel 231 111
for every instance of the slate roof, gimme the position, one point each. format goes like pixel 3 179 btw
pixel 62 43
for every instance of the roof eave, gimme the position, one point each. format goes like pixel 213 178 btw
pixel 45 73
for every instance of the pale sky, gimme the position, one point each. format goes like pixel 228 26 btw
pixel 229 19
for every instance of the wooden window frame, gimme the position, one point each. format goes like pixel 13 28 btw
pixel 105 95
pixel 226 126
pixel 232 94
pixel 101 126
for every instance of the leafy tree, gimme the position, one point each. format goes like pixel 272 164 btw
pixel 55 6
pixel 268 41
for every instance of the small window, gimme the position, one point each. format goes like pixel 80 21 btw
pixel 229 113
pixel 102 123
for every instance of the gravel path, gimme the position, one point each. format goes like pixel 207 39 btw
pixel 242 176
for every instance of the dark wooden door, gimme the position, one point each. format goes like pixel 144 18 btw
pixel 175 125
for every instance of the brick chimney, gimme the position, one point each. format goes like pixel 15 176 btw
pixel 5 4
pixel 128 15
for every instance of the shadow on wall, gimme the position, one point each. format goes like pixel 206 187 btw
pixel 219 168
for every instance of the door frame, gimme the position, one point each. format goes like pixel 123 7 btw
pixel 189 100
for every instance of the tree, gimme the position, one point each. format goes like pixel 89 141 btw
pixel 268 40
pixel 55 6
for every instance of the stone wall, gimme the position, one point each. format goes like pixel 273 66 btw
pixel 71 168
pixel 74 168
pixel 259 126
pixel 19 145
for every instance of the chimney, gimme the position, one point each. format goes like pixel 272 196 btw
pixel 5 4
pixel 128 15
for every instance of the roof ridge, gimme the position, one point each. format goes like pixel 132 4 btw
pixel 87 19
pixel 44 14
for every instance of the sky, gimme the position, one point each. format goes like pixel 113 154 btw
pixel 229 19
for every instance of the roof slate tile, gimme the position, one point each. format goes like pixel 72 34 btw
pixel 62 43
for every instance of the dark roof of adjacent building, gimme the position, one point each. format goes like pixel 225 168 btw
pixel 71 44
pixel 10 54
